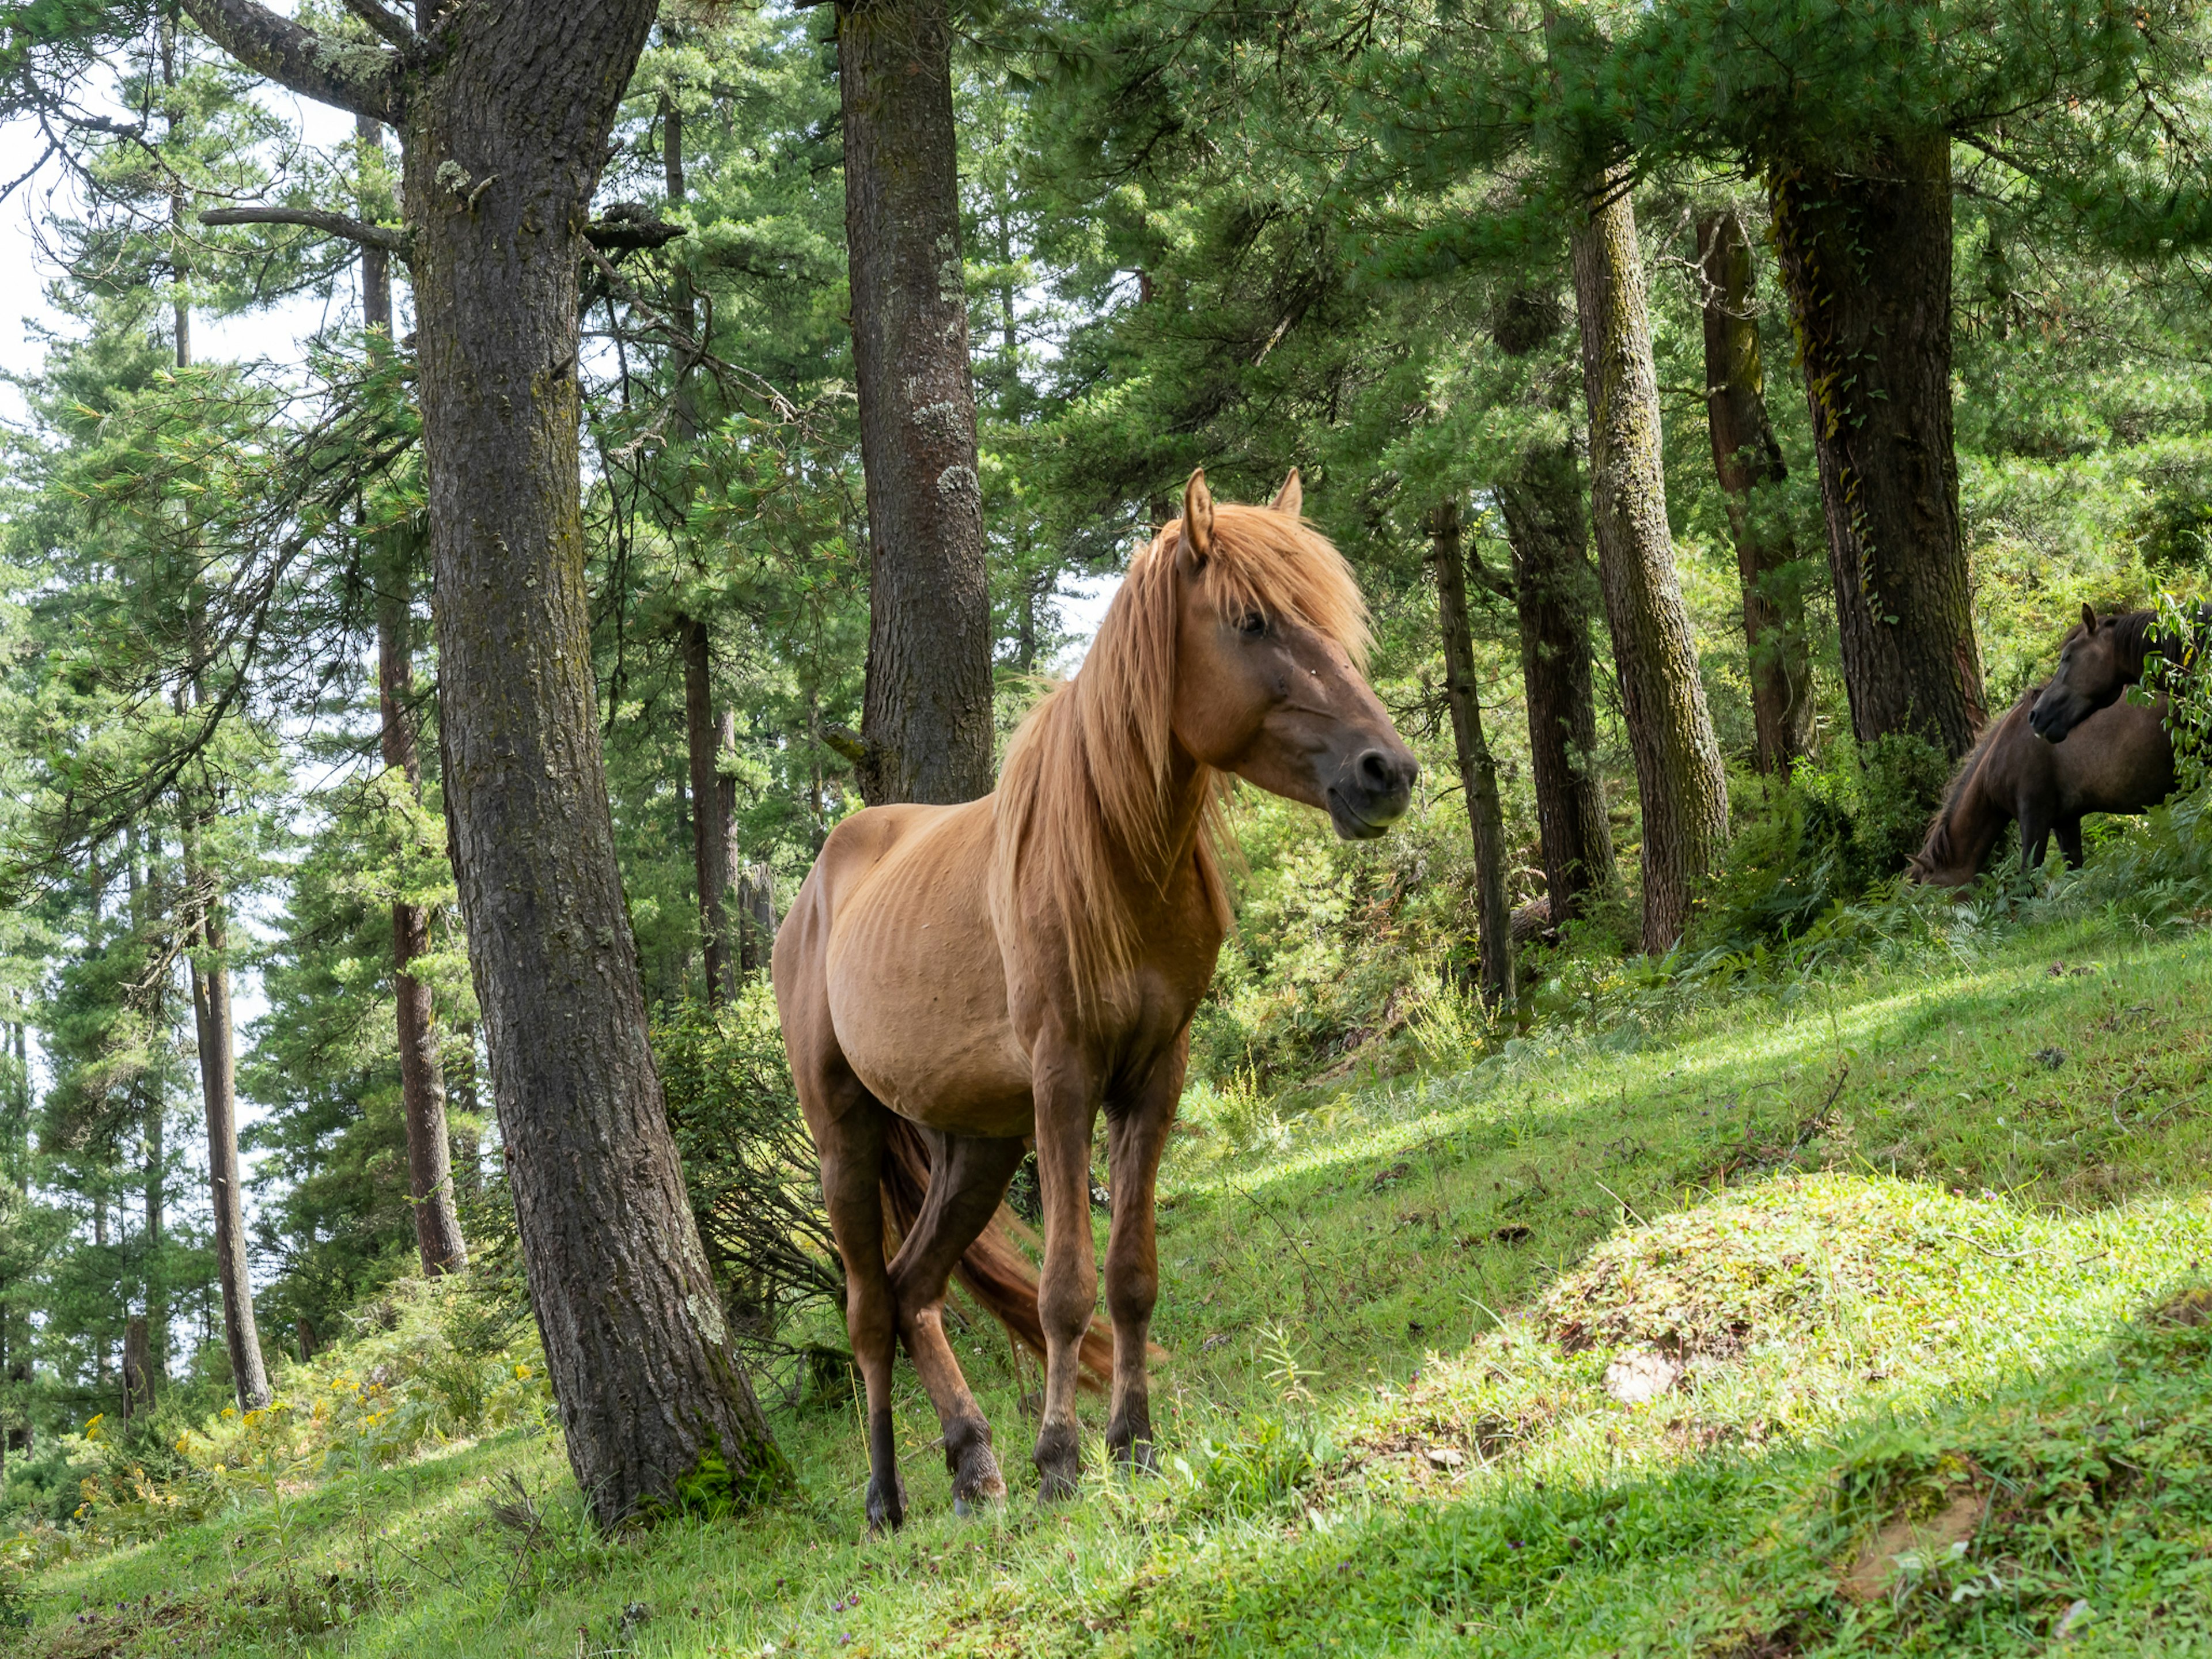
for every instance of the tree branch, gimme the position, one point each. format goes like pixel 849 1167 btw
pixel 390 238
pixel 621 235
pixel 363 79
pixel 389 24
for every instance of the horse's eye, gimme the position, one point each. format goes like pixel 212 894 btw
pixel 1253 626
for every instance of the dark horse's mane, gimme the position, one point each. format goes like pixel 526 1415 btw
pixel 1937 851
pixel 2134 636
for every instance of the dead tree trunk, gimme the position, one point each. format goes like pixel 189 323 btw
pixel 1745 457
pixel 925 723
pixel 1866 257
pixel 1679 778
pixel 438 1241
pixel 505 125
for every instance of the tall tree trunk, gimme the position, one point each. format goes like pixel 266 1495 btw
pixel 925 724
pixel 711 795
pixel 1866 257
pixel 1745 457
pixel 710 823
pixel 438 1241
pixel 1555 593
pixel 210 969
pixel 1477 773
pixel 212 1019
pixel 153 1142
pixel 505 129
pixel 1680 782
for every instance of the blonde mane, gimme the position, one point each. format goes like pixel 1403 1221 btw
pixel 1087 780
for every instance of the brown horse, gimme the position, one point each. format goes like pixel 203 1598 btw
pixel 2118 760
pixel 954 979
pixel 2099 660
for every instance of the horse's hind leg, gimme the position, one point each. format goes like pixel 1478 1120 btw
pixel 1135 1137
pixel 852 1153
pixel 967 1179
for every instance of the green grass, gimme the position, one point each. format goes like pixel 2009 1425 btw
pixel 1907 1232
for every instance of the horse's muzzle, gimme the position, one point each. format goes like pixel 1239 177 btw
pixel 2052 718
pixel 1373 794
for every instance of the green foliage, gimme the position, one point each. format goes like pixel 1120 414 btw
pixel 749 1164
pixel 1835 832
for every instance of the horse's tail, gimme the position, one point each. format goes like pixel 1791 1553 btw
pixel 995 1271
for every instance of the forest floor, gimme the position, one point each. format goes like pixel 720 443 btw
pixel 1867 1314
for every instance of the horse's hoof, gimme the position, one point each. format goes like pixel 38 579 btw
pixel 979 1490
pixel 886 1509
pixel 1059 1460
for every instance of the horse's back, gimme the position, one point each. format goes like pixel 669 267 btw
pixel 890 956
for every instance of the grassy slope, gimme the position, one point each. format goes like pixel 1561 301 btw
pixel 1935 1353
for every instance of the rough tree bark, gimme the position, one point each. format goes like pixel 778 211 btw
pixel 504 114
pixel 1554 595
pixel 438 1240
pixel 1679 778
pixel 925 720
pixel 1478 772
pixel 1866 257
pixel 1745 457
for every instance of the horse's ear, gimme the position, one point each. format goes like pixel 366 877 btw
pixel 1197 518
pixel 2088 617
pixel 1290 497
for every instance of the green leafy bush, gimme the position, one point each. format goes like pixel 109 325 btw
pixel 749 1163
pixel 1842 827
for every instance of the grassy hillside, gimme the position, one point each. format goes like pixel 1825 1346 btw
pixel 1865 1315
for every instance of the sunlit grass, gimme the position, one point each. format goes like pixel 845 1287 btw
pixel 1974 1170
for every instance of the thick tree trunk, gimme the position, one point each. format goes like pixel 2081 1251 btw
pixel 1746 457
pixel 926 721
pixel 1866 257
pixel 438 1240
pixel 153 1120
pixel 1680 782
pixel 1555 593
pixel 710 822
pixel 1477 773
pixel 505 130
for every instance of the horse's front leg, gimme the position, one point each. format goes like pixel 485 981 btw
pixel 1066 1106
pixel 1136 1137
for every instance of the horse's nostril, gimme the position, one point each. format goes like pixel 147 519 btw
pixel 1374 771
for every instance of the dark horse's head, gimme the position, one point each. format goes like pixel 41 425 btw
pixel 2098 661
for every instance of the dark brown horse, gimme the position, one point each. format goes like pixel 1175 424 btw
pixel 2099 659
pixel 2118 759
pixel 955 978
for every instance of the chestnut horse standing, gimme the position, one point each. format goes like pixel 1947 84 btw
pixel 955 978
